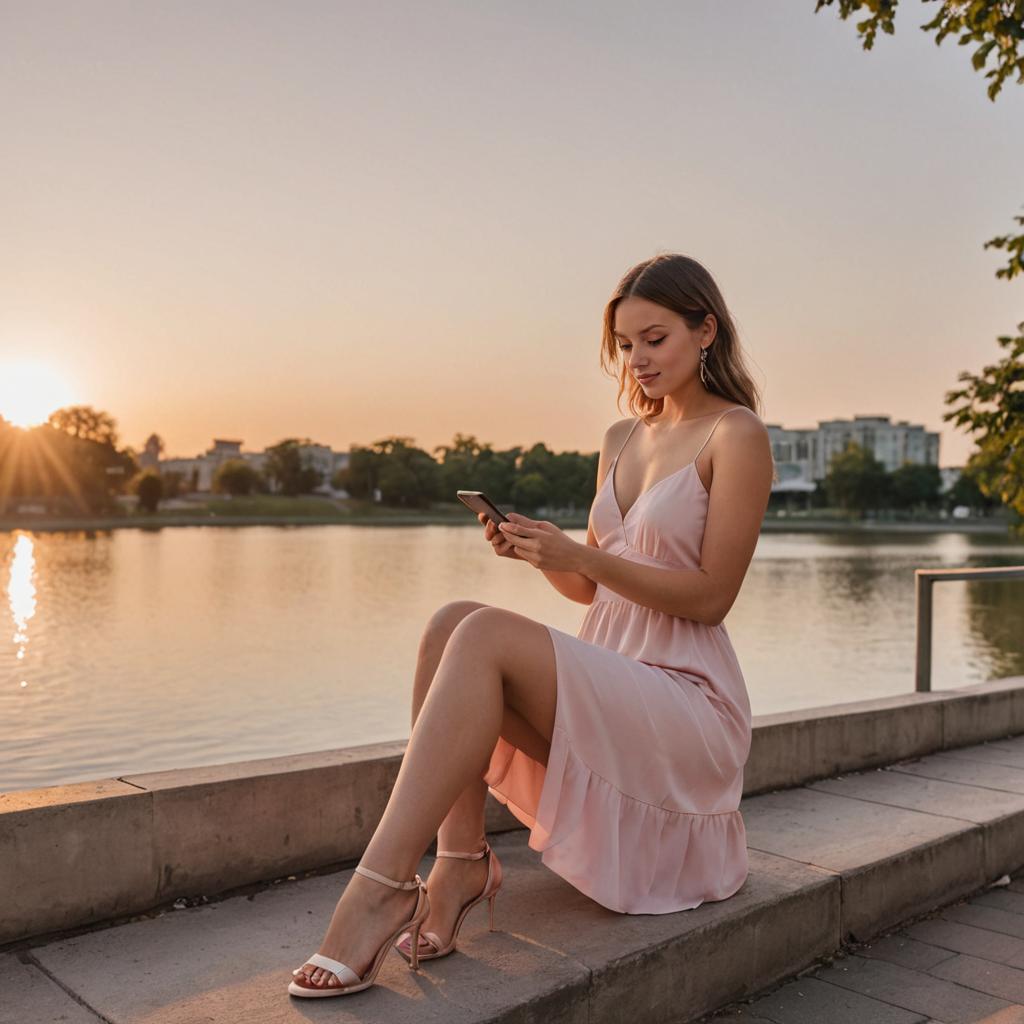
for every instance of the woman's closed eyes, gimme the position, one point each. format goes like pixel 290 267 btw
pixel 652 342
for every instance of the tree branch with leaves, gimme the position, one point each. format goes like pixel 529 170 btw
pixel 996 26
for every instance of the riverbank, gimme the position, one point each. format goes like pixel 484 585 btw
pixel 322 512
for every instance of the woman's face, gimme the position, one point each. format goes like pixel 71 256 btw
pixel 655 340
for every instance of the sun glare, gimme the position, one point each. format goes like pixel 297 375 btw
pixel 30 391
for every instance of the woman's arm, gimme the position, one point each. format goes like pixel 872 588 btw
pixel 576 585
pixel 741 483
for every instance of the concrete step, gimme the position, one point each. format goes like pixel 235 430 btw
pixel 964 962
pixel 834 861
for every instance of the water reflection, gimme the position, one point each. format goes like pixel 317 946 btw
pixel 21 593
pixel 183 647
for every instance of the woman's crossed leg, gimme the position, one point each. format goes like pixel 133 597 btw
pixel 482 672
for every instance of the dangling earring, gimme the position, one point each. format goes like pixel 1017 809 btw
pixel 703 364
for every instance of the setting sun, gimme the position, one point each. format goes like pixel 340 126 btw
pixel 30 391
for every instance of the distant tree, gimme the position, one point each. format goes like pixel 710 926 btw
pixel 966 493
pixel 81 473
pixel 914 485
pixel 150 489
pixel 156 442
pixel 471 465
pixel 172 479
pixel 287 469
pixel 85 423
pixel 360 476
pixel 405 475
pixel 997 26
pixel 530 491
pixel 856 480
pixel 993 407
pixel 235 476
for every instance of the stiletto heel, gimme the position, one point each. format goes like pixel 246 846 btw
pixel 414 961
pixel 404 946
pixel 350 981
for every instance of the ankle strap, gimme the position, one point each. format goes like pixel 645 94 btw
pixel 389 881
pixel 465 856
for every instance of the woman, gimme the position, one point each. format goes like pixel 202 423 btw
pixel 629 781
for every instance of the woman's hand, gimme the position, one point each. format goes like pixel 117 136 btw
pixel 541 543
pixel 501 546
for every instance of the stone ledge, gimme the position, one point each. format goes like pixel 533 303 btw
pixel 840 858
pixel 88 852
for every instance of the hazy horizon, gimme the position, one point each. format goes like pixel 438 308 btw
pixel 259 221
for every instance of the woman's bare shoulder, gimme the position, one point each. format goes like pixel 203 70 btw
pixel 620 427
pixel 744 433
pixel 749 420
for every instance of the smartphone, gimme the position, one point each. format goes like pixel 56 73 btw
pixel 479 502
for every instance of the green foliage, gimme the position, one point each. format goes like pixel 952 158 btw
pixel 173 481
pixel 996 26
pixel 966 492
pixel 286 468
pixel 150 489
pixel 409 477
pixel 404 474
pixel 468 465
pixel 86 423
pixel 856 481
pixel 236 477
pixel 993 407
pixel 70 465
pixel 1014 245
pixel 914 486
pixel 530 491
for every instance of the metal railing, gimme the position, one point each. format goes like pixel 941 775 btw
pixel 925 580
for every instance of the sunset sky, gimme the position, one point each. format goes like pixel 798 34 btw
pixel 257 220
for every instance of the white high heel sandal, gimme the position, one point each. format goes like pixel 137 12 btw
pixel 350 981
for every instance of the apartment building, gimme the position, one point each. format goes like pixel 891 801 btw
pixel 802 454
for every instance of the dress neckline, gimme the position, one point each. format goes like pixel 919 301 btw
pixel 610 479
pixel 610 476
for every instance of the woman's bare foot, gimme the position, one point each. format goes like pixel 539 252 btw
pixel 367 911
pixel 452 883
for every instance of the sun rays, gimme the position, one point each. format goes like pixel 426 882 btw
pixel 30 390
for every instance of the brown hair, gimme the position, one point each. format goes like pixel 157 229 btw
pixel 682 285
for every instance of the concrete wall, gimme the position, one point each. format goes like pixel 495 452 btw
pixel 93 851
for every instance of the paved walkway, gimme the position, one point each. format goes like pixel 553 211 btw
pixel 964 963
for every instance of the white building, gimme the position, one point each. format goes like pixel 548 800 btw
pixel 802 454
pixel 198 473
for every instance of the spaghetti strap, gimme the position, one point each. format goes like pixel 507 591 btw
pixel 715 424
pixel 628 436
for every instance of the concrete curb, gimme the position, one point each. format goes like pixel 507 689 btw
pixel 840 858
pixel 92 851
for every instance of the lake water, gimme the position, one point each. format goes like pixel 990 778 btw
pixel 132 651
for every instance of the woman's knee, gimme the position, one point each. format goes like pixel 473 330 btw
pixel 442 623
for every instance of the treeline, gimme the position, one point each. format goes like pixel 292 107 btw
pixel 525 479
pixel 857 482
pixel 73 464
pixel 394 472
pixel 69 465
